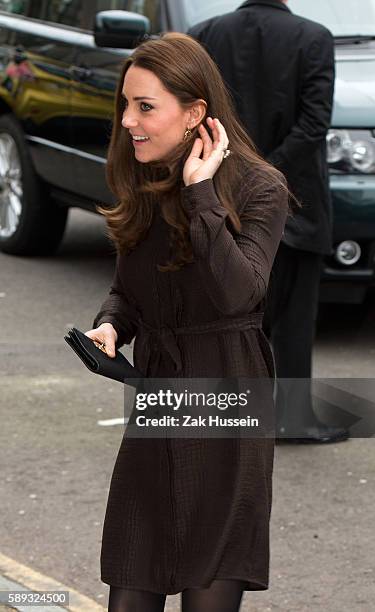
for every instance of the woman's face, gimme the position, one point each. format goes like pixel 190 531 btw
pixel 153 113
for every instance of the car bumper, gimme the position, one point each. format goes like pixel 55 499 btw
pixel 353 199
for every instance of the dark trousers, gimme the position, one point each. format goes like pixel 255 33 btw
pixel 289 323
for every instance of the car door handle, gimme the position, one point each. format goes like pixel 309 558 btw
pixel 80 73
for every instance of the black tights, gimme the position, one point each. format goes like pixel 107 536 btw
pixel 221 596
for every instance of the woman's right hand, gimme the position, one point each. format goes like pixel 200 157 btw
pixel 104 334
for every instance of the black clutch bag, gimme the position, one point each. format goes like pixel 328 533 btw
pixel 117 368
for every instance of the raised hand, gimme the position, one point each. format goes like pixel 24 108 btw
pixel 207 153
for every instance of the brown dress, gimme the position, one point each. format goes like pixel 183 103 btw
pixel 183 512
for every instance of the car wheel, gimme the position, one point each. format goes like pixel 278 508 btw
pixel 30 222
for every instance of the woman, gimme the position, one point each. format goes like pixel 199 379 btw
pixel 196 228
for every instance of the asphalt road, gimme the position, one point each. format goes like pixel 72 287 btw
pixel 56 460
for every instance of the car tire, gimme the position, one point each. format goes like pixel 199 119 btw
pixel 31 223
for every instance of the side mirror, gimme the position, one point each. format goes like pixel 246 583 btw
pixel 120 29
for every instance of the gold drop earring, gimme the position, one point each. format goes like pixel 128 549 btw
pixel 188 133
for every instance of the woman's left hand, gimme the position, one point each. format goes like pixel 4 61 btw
pixel 199 168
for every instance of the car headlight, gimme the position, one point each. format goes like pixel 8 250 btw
pixel 351 151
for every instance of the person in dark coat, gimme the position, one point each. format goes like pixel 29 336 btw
pixel 279 68
pixel 197 227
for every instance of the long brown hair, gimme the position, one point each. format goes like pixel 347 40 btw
pixel 187 71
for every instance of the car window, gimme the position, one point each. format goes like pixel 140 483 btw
pixel 18 7
pixel 149 8
pixel 67 12
pixel 60 11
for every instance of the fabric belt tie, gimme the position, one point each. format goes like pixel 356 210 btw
pixel 165 336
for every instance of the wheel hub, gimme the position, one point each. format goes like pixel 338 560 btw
pixel 10 186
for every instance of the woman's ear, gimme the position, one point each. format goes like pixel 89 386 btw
pixel 197 113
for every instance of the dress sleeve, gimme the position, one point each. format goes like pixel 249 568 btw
pixel 118 311
pixel 236 270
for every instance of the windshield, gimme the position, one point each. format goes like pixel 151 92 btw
pixel 342 17
pixel 198 10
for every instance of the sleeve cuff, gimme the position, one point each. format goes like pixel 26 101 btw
pixel 200 196
pixel 122 336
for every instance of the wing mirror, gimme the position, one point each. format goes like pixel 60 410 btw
pixel 120 29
